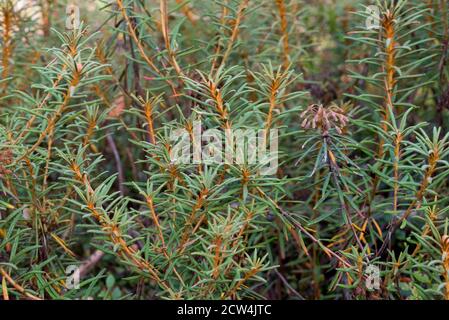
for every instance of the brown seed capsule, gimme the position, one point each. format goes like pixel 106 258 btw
pixel 316 116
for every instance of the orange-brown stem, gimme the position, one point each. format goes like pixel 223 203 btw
pixel 284 32
pixel 235 30
pixel 165 34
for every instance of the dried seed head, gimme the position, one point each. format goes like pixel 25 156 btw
pixel 324 118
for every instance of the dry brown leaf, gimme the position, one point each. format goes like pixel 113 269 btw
pixel 118 106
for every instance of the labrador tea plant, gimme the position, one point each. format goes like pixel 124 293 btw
pixel 93 204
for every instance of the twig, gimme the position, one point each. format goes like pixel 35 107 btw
pixel 118 163
pixel 282 15
pixel 90 263
pixel 17 286
pixel 289 287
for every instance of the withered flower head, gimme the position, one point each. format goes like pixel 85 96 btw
pixel 316 116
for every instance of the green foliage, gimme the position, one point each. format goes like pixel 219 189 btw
pixel 87 176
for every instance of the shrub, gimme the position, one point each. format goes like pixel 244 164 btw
pixel 91 183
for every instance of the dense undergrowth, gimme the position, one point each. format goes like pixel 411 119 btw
pixel 88 179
